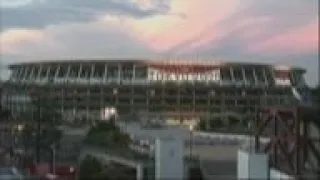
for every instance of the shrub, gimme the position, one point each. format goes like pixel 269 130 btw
pixel 89 168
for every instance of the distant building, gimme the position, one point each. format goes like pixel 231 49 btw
pixel 175 90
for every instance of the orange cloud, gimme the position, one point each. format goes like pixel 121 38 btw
pixel 101 38
pixel 10 39
pixel 305 39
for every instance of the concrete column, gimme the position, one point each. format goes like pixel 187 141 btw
pixel 244 76
pixel 119 73
pixel 133 74
pixel 31 74
pixel 56 74
pixel 273 74
pixel 265 76
pixel 92 75
pixel 79 73
pixel 232 75
pixel 25 73
pixel 39 74
pixel 139 172
pixel 105 77
pixel 255 76
pixel 66 78
pixel 48 73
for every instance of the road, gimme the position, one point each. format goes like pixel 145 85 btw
pixel 217 160
pixel 205 150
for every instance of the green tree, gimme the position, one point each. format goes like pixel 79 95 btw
pixel 90 168
pixel 106 133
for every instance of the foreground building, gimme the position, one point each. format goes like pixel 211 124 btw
pixel 170 89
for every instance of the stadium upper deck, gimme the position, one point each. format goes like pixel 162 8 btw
pixel 177 88
pixel 141 71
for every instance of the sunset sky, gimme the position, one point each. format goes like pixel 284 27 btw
pixel 265 31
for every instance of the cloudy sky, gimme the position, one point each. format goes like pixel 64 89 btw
pixel 264 31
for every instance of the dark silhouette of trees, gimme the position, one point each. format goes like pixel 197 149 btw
pixel 106 133
pixel 90 169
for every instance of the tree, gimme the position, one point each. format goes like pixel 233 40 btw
pixel 90 168
pixel 106 133
pixel 4 113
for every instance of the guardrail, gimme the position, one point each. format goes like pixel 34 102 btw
pixel 205 138
pixel 232 137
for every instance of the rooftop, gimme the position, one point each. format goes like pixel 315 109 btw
pixel 149 61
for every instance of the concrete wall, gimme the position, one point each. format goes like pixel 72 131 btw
pixel 252 165
pixel 225 136
pixel 169 159
pixel 256 166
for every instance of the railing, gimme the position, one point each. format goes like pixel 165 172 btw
pixel 219 137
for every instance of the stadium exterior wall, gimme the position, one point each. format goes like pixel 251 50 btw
pixel 179 89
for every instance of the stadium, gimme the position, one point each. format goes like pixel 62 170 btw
pixel 185 91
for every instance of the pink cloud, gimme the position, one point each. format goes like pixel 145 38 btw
pixel 214 34
pixel 11 39
pixel 199 15
pixel 302 40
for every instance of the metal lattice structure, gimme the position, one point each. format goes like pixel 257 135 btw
pixel 291 144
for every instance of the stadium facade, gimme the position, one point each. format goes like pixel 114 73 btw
pixel 175 89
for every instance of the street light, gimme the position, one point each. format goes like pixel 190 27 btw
pixel 190 139
pixel 20 127
pixel 53 148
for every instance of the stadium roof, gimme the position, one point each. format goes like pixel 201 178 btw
pixel 147 61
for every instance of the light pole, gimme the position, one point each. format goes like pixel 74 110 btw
pixel 20 129
pixel 190 140
pixel 53 147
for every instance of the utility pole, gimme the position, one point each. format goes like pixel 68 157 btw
pixel 53 148
pixel 38 133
